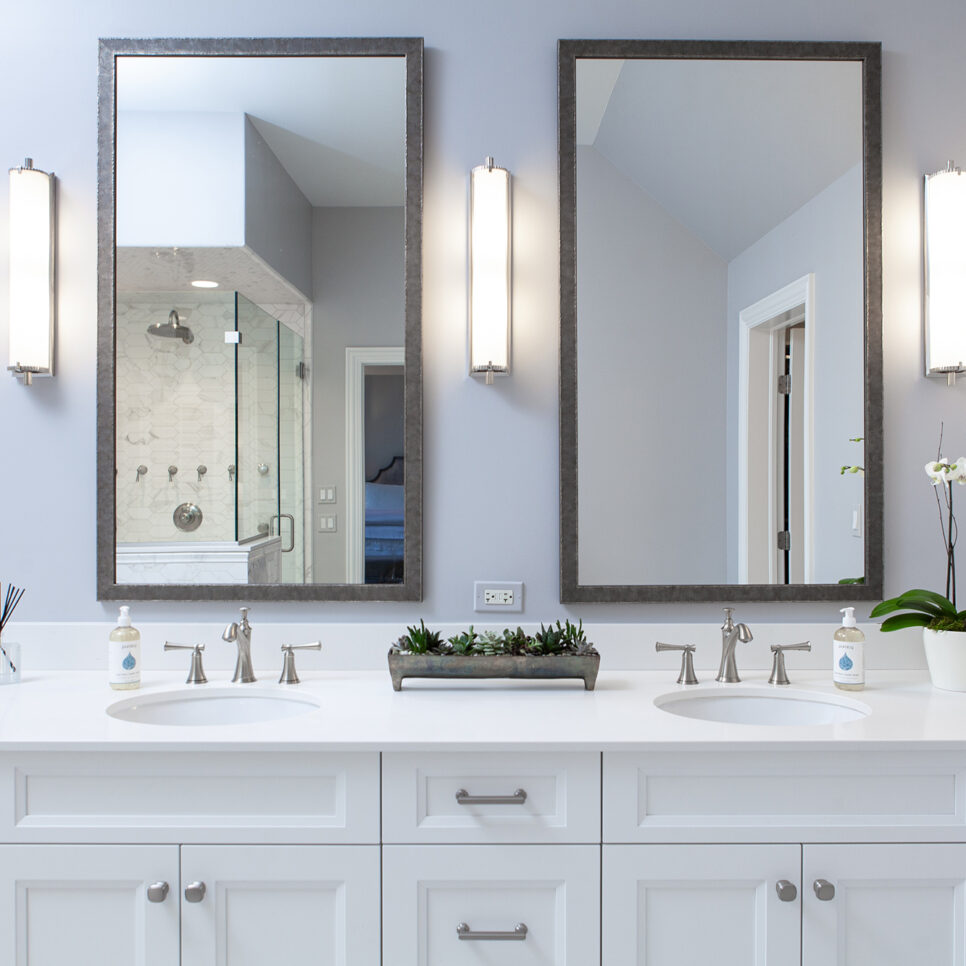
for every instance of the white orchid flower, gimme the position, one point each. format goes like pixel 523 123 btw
pixel 941 471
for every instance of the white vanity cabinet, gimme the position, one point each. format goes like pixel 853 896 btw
pixel 694 904
pixel 124 859
pixel 87 905
pixel 884 905
pixel 491 857
pixel 297 905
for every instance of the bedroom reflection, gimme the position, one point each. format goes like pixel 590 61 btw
pixel 267 460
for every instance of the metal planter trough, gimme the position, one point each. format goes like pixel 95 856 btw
pixel 582 666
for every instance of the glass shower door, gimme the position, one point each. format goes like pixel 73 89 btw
pixel 256 420
pixel 291 379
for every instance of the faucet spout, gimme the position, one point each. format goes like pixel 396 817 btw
pixel 731 633
pixel 240 633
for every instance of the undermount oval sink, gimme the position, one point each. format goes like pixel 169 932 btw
pixel 211 706
pixel 761 706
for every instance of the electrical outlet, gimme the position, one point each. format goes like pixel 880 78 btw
pixel 498 595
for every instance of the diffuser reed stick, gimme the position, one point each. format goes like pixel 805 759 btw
pixel 10 601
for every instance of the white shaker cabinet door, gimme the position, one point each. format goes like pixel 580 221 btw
pixel 491 905
pixel 697 905
pixel 88 905
pixel 884 905
pixel 291 905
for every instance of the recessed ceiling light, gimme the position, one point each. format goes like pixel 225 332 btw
pixel 203 283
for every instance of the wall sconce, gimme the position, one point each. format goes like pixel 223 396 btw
pixel 489 271
pixel 944 272
pixel 31 272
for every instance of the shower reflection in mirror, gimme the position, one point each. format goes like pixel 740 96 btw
pixel 295 225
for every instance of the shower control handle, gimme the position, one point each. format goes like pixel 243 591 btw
pixel 202 469
pixel 231 472
pixel 142 470
pixel 172 472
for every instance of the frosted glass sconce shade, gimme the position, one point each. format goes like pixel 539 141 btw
pixel 31 272
pixel 944 275
pixel 489 270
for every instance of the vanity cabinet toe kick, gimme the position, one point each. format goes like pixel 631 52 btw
pixel 570 858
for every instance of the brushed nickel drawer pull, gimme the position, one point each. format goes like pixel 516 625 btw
pixel 463 797
pixel 519 932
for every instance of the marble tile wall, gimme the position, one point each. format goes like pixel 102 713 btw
pixel 175 407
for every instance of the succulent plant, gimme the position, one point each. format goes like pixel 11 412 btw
pixel 566 638
pixel 418 640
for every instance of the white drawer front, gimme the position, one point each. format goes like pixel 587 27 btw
pixel 494 892
pixel 773 796
pixel 270 798
pixel 539 797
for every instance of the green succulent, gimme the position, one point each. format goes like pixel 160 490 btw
pixel 463 643
pixel 419 640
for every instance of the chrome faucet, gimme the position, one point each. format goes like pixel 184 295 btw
pixel 241 634
pixel 731 633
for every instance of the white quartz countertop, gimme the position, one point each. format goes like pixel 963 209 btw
pixel 360 711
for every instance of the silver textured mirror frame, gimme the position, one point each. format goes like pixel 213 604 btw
pixel 410 48
pixel 869 56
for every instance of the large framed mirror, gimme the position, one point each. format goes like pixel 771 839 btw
pixel 259 335
pixel 720 346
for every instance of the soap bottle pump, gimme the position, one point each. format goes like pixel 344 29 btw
pixel 848 662
pixel 124 654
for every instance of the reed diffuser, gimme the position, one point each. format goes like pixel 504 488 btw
pixel 10 601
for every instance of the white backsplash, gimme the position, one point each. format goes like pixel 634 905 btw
pixel 346 646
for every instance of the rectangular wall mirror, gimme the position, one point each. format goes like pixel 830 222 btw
pixel 720 269
pixel 259 348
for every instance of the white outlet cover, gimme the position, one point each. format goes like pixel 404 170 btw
pixel 480 587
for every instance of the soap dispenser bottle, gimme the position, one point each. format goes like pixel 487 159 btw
pixel 848 661
pixel 124 654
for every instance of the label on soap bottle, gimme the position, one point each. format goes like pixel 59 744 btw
pixel 124 663
pixel 849 667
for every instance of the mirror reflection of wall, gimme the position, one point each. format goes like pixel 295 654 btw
pixel 281 179
pixel 704 189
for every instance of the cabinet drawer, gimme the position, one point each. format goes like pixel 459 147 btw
pixel 775 796
pixel 277 797
pixel 446 905
pixel 491 797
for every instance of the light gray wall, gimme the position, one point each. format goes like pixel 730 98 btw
pixel 651 342
pixel 278 217
pixel 358 286
pixel 823 237
pixel 492 524
pixel 180 179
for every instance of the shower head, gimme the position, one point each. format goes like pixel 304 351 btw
pixel 172 329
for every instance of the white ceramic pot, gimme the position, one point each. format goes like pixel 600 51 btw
pixel 946 657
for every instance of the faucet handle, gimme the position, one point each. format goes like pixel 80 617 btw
pixel 289 675
pixel 778 674
pixel 196 675
pixel 728 622
pixel 687 675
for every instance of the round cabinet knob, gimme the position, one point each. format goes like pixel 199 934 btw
pixel 787 891
pixel 158 891
pixel 195 891
pixel 824 889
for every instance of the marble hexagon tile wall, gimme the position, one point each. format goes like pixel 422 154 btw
pixel 175 407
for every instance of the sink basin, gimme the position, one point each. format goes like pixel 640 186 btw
pixel 212 706
pixel 762 706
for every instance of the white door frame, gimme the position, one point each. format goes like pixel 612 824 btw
pixel 357 360
pixel 766 313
